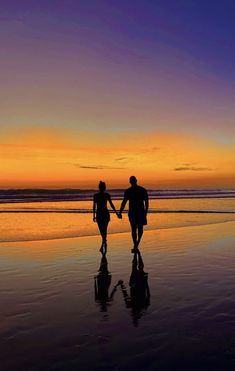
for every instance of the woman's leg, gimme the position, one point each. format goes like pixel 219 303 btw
pixel 105 235
pixel 103 231
pixel 100 225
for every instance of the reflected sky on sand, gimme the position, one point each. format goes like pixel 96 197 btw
pixel 170 306
pixel 63 219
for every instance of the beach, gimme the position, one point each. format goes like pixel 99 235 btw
pixel 51 320
pixel 117 187
pixel 24 220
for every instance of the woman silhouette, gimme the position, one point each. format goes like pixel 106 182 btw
pixel 101 213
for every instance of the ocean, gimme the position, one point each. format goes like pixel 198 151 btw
pixel 27 215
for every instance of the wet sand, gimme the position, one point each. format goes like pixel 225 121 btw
pixel 50 319
pixel 18 226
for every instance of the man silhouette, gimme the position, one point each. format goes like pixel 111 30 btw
pixel 138 209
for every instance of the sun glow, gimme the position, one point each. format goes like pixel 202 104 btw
pixel 51 158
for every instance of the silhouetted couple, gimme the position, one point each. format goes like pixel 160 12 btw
pixel 138 209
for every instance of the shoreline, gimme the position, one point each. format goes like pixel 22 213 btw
pixel 119 198
pixel 112 212
pixel 64 238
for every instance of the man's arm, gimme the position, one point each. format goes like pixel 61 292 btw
pixel 146 201
pixel 123 204
pixel 94 209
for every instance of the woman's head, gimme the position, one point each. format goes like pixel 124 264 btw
pixel 102 186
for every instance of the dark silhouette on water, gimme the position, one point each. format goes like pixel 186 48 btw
pixel 138 209
pixel 102 284
pixel 101 213
pixel 139 298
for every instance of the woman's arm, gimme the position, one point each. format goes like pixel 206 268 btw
pixel 111 204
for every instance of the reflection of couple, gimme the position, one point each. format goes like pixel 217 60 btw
pixel 138 299
pixel 138 208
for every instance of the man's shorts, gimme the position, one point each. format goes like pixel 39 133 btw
pixel 137 218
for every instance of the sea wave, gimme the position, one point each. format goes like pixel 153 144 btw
pixel 61 235
pixel 39 195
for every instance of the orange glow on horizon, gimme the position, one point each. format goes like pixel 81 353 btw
pixel 53 159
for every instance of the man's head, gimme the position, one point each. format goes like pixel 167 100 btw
pixel 102 186
pixel 133 180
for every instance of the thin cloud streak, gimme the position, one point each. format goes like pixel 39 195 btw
pixel 97 167
pixel 193 168
pixel 121 158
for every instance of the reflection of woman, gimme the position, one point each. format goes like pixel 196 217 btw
pixel 101 213
pixel 102 285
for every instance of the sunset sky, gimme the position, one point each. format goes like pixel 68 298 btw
pixel 94 89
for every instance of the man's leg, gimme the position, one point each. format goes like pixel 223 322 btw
pixel 140 233
pixel 134 234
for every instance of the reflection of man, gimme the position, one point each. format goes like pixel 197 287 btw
pixel 139 298
pixel 138 208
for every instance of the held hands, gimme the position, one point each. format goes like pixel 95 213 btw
pixel 119 215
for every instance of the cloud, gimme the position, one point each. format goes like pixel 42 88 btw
pixel 97 167
pixel 121 158
pixel 192 168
